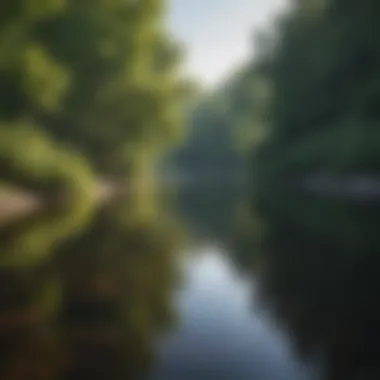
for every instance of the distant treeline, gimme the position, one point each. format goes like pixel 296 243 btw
pixel 308 101
pixel 87 89
pixel 214 146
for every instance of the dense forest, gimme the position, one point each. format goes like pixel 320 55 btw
pixel 323 74
pixel 88 90
pixel 306 103
pixel 92 91
pixel 322 71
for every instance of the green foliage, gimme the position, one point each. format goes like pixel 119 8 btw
pixel 29 243
pixel 124 85
pixel 29 160
pixel 99 77
pixel 308 101
pixel 324 74
pixel 41 73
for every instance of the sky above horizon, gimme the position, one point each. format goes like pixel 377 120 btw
pixel 218 34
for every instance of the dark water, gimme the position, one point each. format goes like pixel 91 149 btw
pixel 210 286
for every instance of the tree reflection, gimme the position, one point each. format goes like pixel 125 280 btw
pixel 117 281
pixel 30 294
pixel 29 303
pixel 317 263
pixel 209 209
pixel 93 304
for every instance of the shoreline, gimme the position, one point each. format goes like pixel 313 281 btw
pixel 17 204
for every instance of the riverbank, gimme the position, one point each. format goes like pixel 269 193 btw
pixel 16 204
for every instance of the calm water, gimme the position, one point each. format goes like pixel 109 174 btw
pixel 212 287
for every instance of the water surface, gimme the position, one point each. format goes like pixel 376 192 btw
pixel 214 286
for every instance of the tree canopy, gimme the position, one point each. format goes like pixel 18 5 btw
pixel 99 77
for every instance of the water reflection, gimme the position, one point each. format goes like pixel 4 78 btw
pixel 284 290
pixel 208 210
pixel 94 306
pixel 317 268
pixel 219 336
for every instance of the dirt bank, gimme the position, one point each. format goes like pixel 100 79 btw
pixel 17 204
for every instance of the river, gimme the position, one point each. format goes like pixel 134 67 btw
pixel 210 286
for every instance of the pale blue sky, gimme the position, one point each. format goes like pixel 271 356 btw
pixel 218 33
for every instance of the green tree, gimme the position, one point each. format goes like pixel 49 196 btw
pixel 99 77
pixel 324 77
